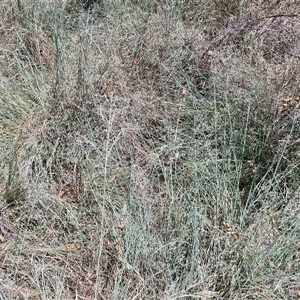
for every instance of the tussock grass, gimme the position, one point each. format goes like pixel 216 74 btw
pixel 149 150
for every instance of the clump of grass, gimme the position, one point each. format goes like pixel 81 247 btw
pixel 149 150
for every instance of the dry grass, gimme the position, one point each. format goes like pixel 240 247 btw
pixel 149 149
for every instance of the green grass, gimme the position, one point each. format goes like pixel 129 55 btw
pixel 149 150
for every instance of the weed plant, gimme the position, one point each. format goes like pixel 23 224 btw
pixel 149 149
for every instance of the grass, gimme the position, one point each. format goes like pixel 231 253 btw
pixel 149 150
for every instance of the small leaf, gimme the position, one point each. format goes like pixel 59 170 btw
pixel 2 238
